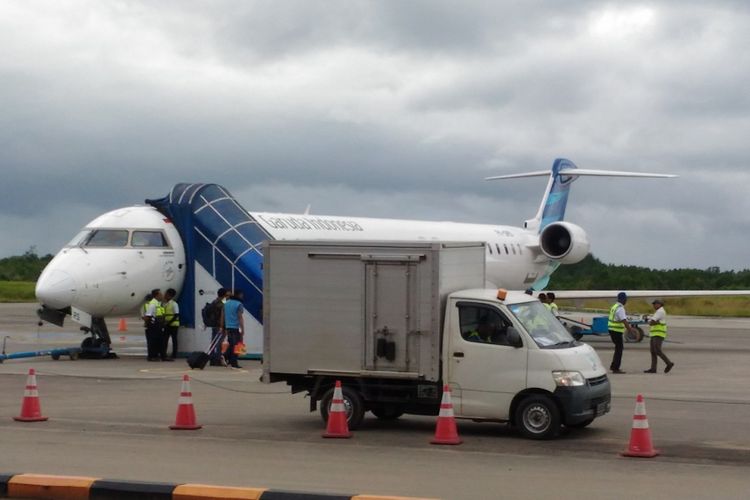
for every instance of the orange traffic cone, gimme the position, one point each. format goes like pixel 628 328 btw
pixel 445 431
pixel 640 434
pixel 123 326
pixel 30 409
pixel 185 420
pixel 337 426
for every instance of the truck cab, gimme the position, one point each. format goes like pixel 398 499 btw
pixel 507 358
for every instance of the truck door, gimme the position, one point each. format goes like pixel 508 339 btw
pixel 388 311
pixel 484 370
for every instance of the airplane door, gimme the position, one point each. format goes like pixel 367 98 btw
pixel 485 370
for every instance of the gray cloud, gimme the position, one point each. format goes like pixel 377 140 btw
pixel 383 109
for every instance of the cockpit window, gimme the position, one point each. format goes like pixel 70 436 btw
pixel 108 238
pixel 149 239
pixel 79 238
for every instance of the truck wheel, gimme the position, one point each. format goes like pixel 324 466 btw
pixel 355 408
pixel 56 356
pixel 580 425
pixel 538 417
pixel 387 412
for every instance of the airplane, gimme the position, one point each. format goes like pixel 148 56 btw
pixel 199 238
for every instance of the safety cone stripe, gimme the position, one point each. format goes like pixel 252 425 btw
pixel 446 412
pixel 185 401
pixel 640 424
pixel 31 393
pixel 335 407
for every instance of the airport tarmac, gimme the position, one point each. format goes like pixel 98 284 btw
pixel 110 418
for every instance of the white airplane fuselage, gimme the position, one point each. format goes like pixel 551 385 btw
pixel 110 278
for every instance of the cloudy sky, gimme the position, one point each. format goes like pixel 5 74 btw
pixel 384 109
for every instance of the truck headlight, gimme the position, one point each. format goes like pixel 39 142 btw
pixel 568 379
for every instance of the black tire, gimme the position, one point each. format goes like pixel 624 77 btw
pixel 91 343
pixel 636 337
pixel 355 407
pixel 387 412
pixel 538 417
pixel 56 356
pixel 580 425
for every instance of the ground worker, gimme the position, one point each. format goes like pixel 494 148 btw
pixel 552 306
pixel 481 333
pixel 543 299
pixel 154 325
pixel 658 322
pixel 171 321
pixel 618 323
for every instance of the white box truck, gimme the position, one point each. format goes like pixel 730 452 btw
pixel 396 321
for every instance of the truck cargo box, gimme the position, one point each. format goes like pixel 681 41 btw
pixel 361 308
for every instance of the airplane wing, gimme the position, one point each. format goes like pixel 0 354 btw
pixel 612 294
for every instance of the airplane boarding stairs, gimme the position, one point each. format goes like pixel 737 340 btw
pixel 223 248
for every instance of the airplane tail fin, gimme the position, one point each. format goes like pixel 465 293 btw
pixel 555 199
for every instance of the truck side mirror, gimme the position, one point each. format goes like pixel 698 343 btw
pixel 514 338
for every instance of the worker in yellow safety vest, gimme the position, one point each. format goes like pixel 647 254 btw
pixel 155 326
pixel 171 321
pixel 658 323
pixel 617 324
pixel 552 306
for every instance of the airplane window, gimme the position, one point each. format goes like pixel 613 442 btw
pixel 498 248
pixel 520 250
pixel 108 238
pixel 506 248
pixel 489 249
pixel 80 238
pixel 513 247
pixel 149 239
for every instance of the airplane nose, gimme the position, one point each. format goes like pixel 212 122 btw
pixel 56 289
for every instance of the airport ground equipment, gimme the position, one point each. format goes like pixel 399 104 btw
pixel 72 352
pixel 600 326
pixel 393 322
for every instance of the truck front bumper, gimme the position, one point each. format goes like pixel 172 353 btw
pixel 586 402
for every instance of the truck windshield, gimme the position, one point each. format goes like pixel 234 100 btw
pixel 545 329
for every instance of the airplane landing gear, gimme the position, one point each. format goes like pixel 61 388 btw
pixel 97 346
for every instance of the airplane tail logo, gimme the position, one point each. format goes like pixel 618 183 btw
pixel 555 198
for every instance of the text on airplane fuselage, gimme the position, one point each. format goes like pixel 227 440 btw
pixel 311 223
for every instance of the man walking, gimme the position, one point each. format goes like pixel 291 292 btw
pixel 658 322
pixel 618 323
pixel 217 329
pixel 234 325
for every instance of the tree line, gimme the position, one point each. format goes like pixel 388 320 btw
pixel 593 274
pixel 26 267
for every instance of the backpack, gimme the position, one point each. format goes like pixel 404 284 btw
pixel 212 313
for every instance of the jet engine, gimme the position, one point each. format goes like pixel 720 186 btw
pixel 564 242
